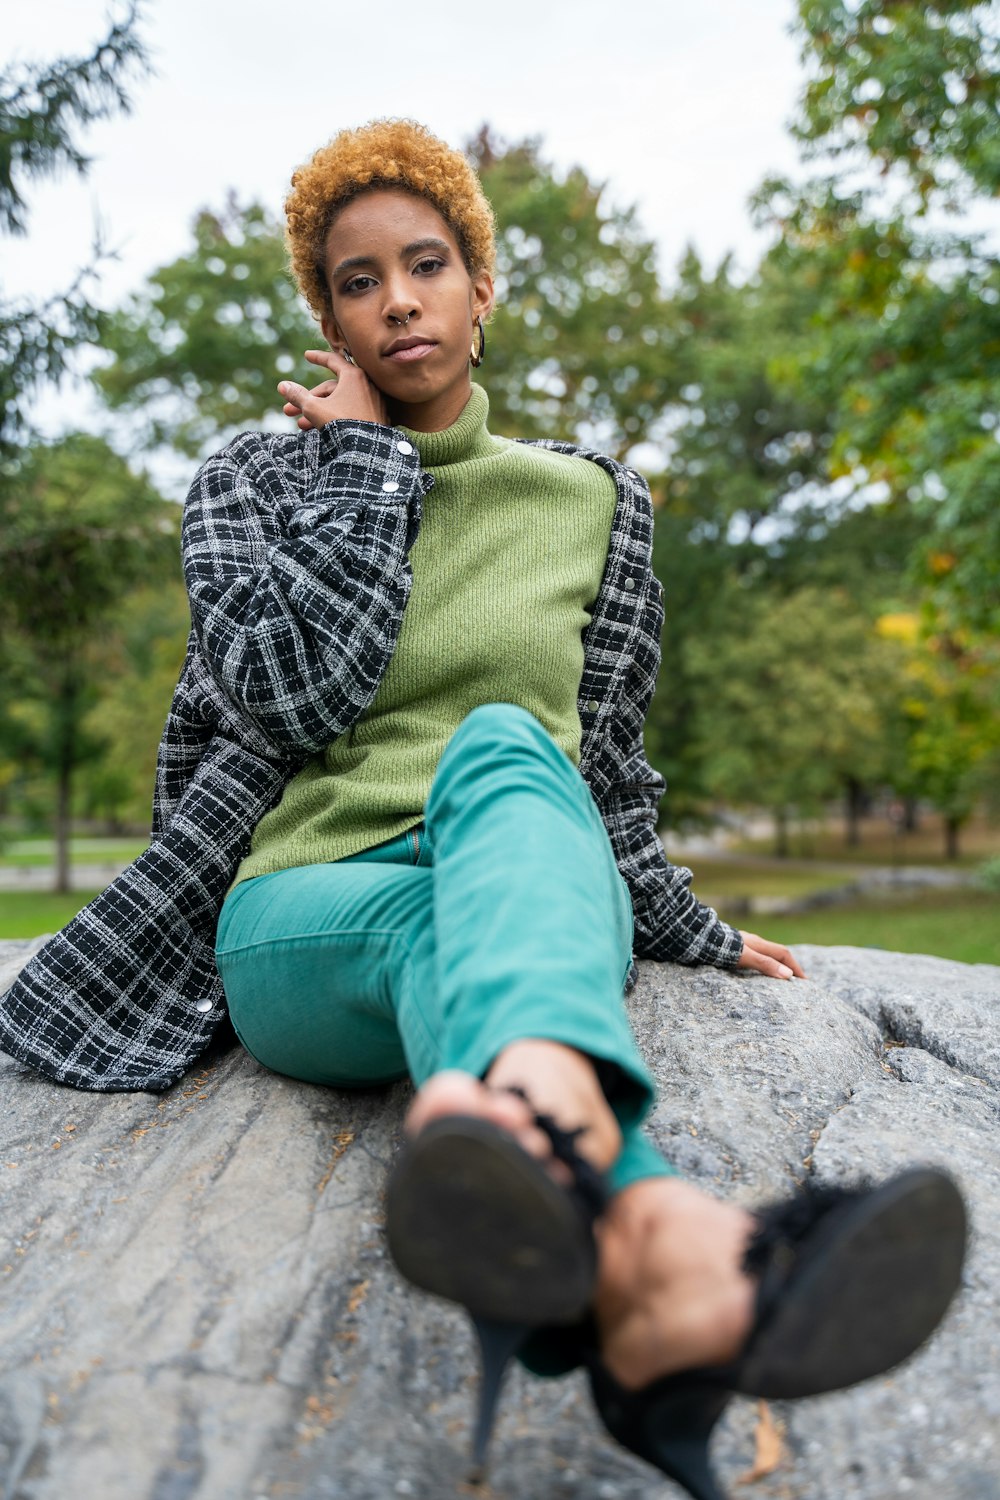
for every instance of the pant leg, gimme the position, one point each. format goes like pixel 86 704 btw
pixel 312 961
pixel 532 920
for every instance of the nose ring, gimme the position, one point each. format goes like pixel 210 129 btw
pixel 400 322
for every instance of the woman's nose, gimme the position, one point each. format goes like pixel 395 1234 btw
pixel 400 307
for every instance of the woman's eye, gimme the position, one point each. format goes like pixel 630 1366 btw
pixel 429 265
pixel 359 283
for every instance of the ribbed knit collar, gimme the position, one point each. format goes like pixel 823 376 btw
pixel 465 439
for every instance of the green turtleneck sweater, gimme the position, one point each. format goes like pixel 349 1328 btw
pixel 506 568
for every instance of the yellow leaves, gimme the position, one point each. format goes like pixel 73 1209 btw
pixel 941 563
pixel 902 626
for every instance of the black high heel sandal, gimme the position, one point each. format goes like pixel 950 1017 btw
pixel 472 1217
pixel 850 1284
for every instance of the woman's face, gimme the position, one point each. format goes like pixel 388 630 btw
pixel 391 257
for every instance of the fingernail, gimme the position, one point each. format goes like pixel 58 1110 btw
pixel 785 973
pixel 282 386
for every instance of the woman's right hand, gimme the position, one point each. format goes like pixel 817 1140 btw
pixel 349 396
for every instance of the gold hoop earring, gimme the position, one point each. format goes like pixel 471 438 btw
pixel 476 355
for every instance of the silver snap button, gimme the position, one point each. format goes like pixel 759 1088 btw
pixel 404 447
pixel 204 1006
pixel 592 706
pixel 390 487
pixel 629 585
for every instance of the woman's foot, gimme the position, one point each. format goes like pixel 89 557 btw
pixel 671 1293
pixel 555 1079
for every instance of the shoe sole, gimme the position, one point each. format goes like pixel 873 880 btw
pixel 473 1218
pixel 875 1279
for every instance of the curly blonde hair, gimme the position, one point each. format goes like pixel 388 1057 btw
pixel 383 154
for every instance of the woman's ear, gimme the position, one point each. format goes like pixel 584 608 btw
pixel 332 333
pixel 482 295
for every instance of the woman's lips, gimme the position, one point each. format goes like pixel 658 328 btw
pixel 411 352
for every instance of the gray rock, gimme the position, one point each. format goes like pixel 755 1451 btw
pixel 199 1304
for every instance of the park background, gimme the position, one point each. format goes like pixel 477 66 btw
pixel 752 249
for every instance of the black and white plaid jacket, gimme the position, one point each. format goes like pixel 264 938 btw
pixel 296 559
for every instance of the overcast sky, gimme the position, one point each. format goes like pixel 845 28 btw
pixel 682 108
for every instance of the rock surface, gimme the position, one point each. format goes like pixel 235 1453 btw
pixel 199 1304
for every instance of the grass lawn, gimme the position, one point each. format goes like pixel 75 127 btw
pixel 25 914
pixel 715 879
pixel 961 924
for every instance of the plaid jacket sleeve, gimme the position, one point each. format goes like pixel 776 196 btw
pixel 295 558
pixel 670 922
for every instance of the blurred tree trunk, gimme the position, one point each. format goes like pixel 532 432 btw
pixel 854 806
pixel 781 832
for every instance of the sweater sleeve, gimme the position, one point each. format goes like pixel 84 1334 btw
pixel 298 577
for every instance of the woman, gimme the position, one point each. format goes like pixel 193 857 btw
pixel 408 743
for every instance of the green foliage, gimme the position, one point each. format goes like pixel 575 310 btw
pixel 146 637
pixel 790 701
pixel 80 530
pixel 41 106
pixel 198 352
pixel 916 87
pixel 907 324
pixel 950 709
pixel 746 446
pixel 576 343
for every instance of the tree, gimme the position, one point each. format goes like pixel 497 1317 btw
pixel 198 352
pixel 905 352
pixel 915 88
pixel 948 718
pixel 145 639
pixel 80 529
pixel 743 505
pixel 576 349
pixel 41 108
pixel 793 703
pixel 907 319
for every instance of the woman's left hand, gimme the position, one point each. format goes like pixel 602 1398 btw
pixel 768 958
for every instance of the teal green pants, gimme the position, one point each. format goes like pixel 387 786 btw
pixel 502 917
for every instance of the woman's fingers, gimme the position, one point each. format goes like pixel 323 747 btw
pixel 331 358
pixel 349 396
pixel 773 959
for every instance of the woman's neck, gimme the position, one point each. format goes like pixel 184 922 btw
pixel 434 415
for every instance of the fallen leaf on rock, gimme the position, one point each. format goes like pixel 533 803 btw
pixel 769 1449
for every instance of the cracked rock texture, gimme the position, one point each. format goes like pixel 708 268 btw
pixel 198 1303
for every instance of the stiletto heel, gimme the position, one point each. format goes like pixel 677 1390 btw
pixel 668 1425
pixel 850 1283
pixel 473 1218
pixel 498 1343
